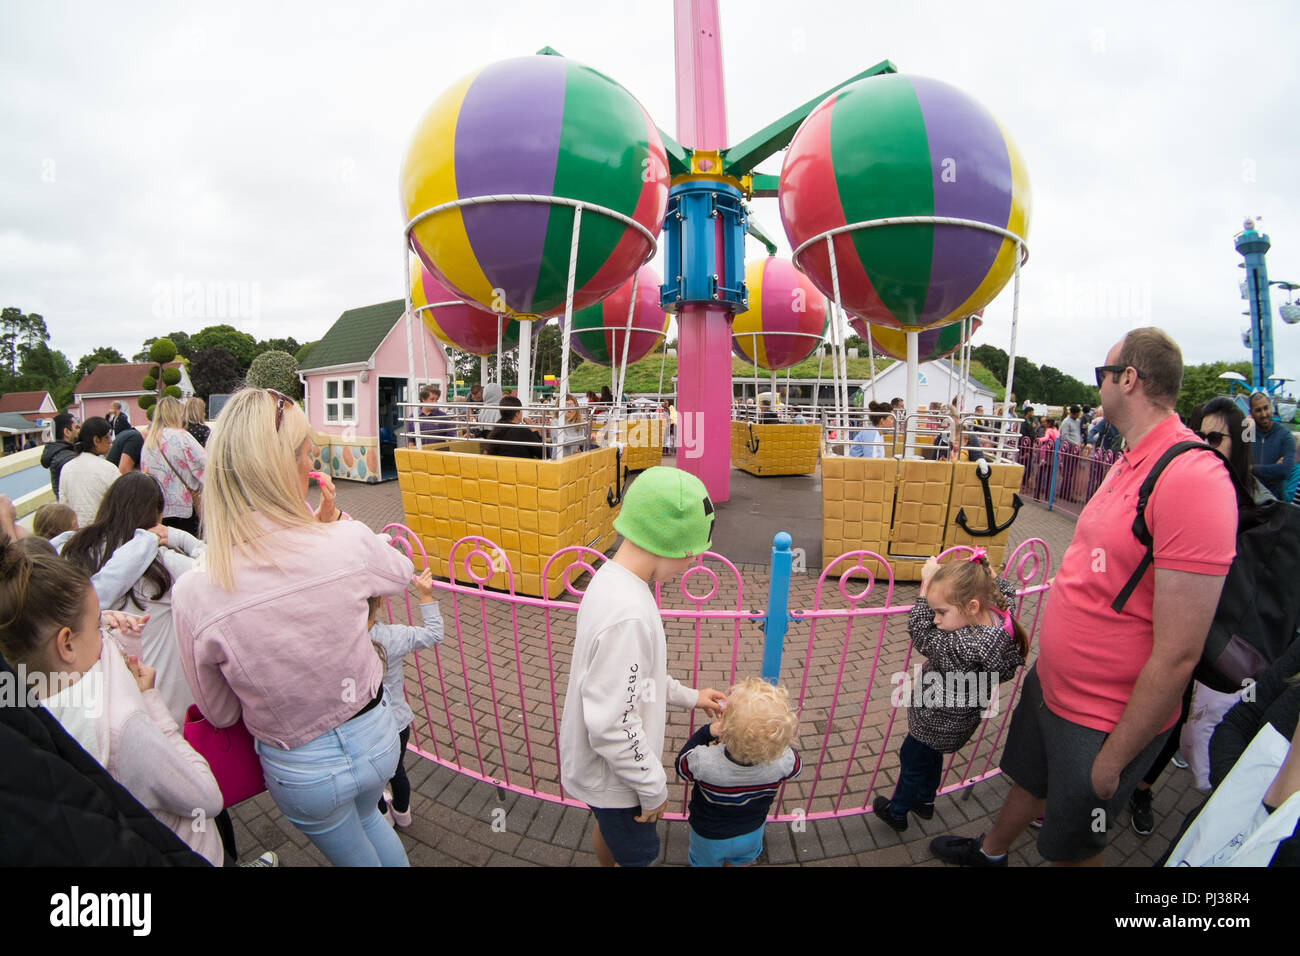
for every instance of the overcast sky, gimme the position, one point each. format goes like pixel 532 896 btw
pixel 258 145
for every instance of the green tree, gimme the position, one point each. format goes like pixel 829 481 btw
pixel 276 370
pixel 19 334
pixel 180 339
pixel 213 371
pixel 239 344
pixel 290 345
pixel 1201 383
pixel 105 355
pixel 159 379
pixel 993 359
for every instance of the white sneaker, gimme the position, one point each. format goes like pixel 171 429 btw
pixel 1178 761
pixel 266 859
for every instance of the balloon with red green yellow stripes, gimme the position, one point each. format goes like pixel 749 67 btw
pixel 892 146
pixel 455 322
pixel 599 330
pixel 542 126
pixel 786 318
pixel 935 342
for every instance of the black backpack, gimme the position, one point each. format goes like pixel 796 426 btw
pixel 1260 605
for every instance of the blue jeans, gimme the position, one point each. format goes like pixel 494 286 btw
pixel 919 770
pixel 329 789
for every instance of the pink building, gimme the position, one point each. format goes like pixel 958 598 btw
pixel 25 419
pixel 106 384
pixel 353 383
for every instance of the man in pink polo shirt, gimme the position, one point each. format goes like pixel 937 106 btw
pixel 1106 690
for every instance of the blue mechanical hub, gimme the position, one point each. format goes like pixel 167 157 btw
pixel 699 269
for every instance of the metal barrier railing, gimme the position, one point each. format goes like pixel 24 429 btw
pixel 559 433
pixel 1061 475
pixel 488 701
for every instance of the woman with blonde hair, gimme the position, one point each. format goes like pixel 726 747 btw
pixel 271 625
pixel 196 414
pixel 172 456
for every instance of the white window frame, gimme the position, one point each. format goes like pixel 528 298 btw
pixel 337 403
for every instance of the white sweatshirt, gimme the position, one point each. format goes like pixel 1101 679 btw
pixel 612 731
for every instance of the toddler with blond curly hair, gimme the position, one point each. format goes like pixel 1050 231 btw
pixel 736 765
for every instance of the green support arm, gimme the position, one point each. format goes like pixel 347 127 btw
pixel 739 160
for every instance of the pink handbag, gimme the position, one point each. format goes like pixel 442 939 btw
pixel 229 752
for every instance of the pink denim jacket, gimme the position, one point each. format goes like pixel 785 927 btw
pixel 288 647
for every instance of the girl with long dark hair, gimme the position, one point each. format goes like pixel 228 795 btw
pixel 134 502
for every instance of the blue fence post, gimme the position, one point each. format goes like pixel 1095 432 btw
pixel 1056 457
pixel 778 605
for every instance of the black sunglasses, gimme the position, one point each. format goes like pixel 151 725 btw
pixel 1101 371
pixel 1213 439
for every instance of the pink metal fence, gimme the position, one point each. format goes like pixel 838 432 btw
pixel 1079 472
pixel 488 700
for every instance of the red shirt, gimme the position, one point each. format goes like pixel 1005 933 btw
pixel 1089 656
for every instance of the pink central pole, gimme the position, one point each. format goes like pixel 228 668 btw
pixel 704 331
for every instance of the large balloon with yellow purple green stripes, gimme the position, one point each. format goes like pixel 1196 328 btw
pixel 786 318
pixel 890 146
pixel 936 342
pixel 599 330
pixel 456 323
pixel 542 126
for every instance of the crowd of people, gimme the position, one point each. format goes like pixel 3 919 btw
pixel 496 418
pixel 267 619
pixel 192 582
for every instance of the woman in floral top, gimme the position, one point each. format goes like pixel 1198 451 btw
pixel 176 460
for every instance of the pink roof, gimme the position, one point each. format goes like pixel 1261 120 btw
pixel 27 404
pixel 116 379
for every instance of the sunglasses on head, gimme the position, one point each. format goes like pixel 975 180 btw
pixel 281 400
pixel 1213 439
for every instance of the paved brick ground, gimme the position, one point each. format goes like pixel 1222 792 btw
pixel 458 820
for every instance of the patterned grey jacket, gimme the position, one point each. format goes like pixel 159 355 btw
pixel 960 678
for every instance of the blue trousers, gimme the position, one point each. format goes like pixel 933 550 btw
pixel 329 789
pixel 919 771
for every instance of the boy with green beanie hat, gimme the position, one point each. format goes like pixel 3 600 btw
pixel 612 731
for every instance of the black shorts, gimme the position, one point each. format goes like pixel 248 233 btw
pixel 1052 758
pixel 631 843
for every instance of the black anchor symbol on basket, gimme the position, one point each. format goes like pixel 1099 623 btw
pixel 982 472
pixel 613 498
pixel 752 442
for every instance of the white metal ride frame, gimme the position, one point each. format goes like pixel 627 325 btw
pixel 526 330
pixel 753 337
pixel 913 348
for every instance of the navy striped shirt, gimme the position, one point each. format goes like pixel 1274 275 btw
pixel 729 798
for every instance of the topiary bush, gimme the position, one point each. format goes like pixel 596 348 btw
pixel 162 351
pixel 147 401
pixel 172 391
pixel 171 376
pixel 149 383
pixel 277 370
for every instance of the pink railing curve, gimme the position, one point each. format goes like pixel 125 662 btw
pixel 489 707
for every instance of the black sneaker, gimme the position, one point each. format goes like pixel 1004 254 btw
pixel 924 810
pixel 881 808
pixel 963 851
pixel 1139 805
